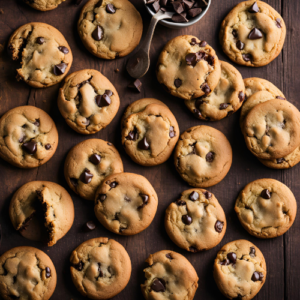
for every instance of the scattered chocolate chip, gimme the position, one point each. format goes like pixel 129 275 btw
pixel 219 226
pixel 193 249
pixel 241 96
pixel 143 144
pixel 194 196
pixel 255 34
pixel 40 40
pixel 178 7
pixel 95 159
pixel 158 285
pixel 110 8
pixel 179 18
pixel 63 49
pixel 48 272
pixel 86 176
pixel 172 132
pixel 194 12
pixel 74 181
pixel 47 146
pixel 193 42
pixel 133 135
pixel 278 23
pixel 210 156
pixel 254 8
pixel 137 84
pixel 280 160
pixel 202 43
pixel 109 93
pixel 180 202
pixel 240 45
pixel 265 194
pixel 101 197
pixel 234 33
pixel 257 276
pixel 207 194
pixel 206 89
pixel 79 266
pixel 127 199
pixel 98 33
pixel 252 252
pixel 30 147
pixel 60 69
pixel 90 225
pixel 113 184
pixel 37 123
pixel 191 59
pixel 223 106
pixel 246 57
pixel 168 255
pixel 225 262
pixel 178 82
pixel 186 219
pixel 102 100
pixel 232 257
pixel 156 6
pixel 197 113
pixel 279 97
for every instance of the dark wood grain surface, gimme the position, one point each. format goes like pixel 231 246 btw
pixel 282 253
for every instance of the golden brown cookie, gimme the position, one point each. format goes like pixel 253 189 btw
pixel 43 5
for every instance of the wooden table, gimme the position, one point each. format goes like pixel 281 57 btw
pixel 282 253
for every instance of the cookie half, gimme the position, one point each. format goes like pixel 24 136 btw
pixel 203 156
pixel 26 273
pixel 88 164
pixel 188 68
pixel 240 270
pixel 28 137
pixel 88 101
pixel 252 34
pixel 110 29
pixel 225 99
pixel 45 55
pixel 266 208
pixel 100 268
pixel 169 273
pixel 125 203
pixel 196 221
pixel 43 5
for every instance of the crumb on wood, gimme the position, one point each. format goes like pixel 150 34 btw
pixel 117 70
pixel 1 11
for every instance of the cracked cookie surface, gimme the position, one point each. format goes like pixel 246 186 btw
pixel 28 137
pixel 43 5
pixel 149 132
pixel 42 211
pixel 203 156
pixel 88 164
pixel 110 28
pixel 188 68
pixel 45 55
pixel 170 276
pixel 26 273
pixel 100 268
pixel 253 33
pixel 125 203
pixel 88 101
pixel 196 221
pixel 224 100
pixel 240 270
pixel 266 208
pixel 272 129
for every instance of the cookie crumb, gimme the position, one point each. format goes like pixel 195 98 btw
pixel 117 70
pixel 1 11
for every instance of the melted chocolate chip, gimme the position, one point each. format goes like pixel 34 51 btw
pixel 60 69
pixel 79 266
pixel 193 42
pixel 102 100
pixel 223 106
pixel 101 197
pixel 143 144
pixel 180 202
pixel 63 49
pixel 47 146
pixel 232 257
pixel 90 225
pixel 30 147
pixel 257 276
pixel 99 3
pixel 172 132
pixel 178 7
pixel 225 262
pixel 191 59
pixel 197 113
pixel 145 199
pixel 99 270
pixel 278 23
pixel 95 159
pixel 254 8
pixel 210 156
pixel 206 89
pixel 178 82
pixel 194 196
pixel 241 96
pixel 280 160
pixel 219 226
pixel 158 285
pixel 98 33
pixel 133 135
pixel 193 249
pixel 265 194
pixel 207 194
pixel 110 8
pixel 86 176
pixel 246 57
pixel 40 40
pixel 186 219
pixel 48 272
pixel 252 252
pixel 240 45
pixel 255 34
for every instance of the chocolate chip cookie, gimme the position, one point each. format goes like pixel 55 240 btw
pixel 26 273
pixel 43 5
pixel 125 203
pixel 149 132
pixel 272 129
pixel 45 55
pixel 224 100
pixel 252 34
pixel 110 29
pixel 88 164
pixel 188 68
pixel 196 221
pixel 169 275
pixel 42 211
pixel 28 137
pixel 203 156
pixel 240 270
pixel 100 268
pixel 266 208
pixel 88 101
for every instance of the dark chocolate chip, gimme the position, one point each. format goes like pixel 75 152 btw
pixel 232 257
pixel 223 106
pixel 194 12
pixel 110 8
pixel 234 33
pixel 179 18
pixel 48 272
pixel 210 156
pixel 103 100
pixel 200 3
pixel 95 159
pixel 265 194
pixel 199 102
pixel 194 196
pixel 40 40
pixel 163 2
pixel 188 4
pixel 79 266
pixel 255 34
pixel 178 7
pixel 246 57
pixel 278 23
pixel 180 202
pixel 60 69
pixel 156 6
pixel 133 135
pixel 22 138
pixel 37 123
pixel 143 144
pixel 99 270
pixel 86 176
pixel 102 197
pixel 137 84
pixel 280 160
pixel 98 33
pixel 207 194
pixel 193 249
pixel 257 276
pixel 158 285
pixel 241 96
pixel 145 198
pixel 109 144
pixel 254 8
pixel 168 255
pixel 177 82
pixel 206 89
pixel 225 262
pixel 63 49
pixel 186 219
pixel 109 93
pixel 219 226
pixel 252 252
pixel 279 97
pixel 191 59
pixel 47 146
pixel 193 42
pixel 99 3
pixel 127 199
pixel 240 45
pixel 74 181
pixel 202 43
pixel 172 132
pixel 30 147
pixel 90 225
pixel 197 113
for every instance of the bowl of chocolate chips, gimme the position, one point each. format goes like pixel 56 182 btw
pixel 185 12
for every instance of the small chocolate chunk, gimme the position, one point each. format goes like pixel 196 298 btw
pixel 95 159
pixel 133 135
pixel 219 226
pixel 206 89
pixel 158 285
pixel 168 255
pixel 207 194
pixel 113 184
pixel 145 198
pixel 193 42
pixel 180 202
pixel 110 8
pixel 179 18
pixel 246 57
pixel 47 146
pixel 102 100
pixel 191 59
pixel 255 34
pixel 252 252
pixel 109 93
pixel 40 40
pixel 188 4
pixel 225 262
pixel 278 23
pixel 99 270
pixel 164 2
pixel 171 132
pixel 187 220
pixel 194 196
pixel 280 160
pixel 63 49
pixel 202 43
pixel 210 156
pixel 254 8
pixel 199 102
pixel 177 82
pixel 98 33
pixel 200 3
pixel 197 113
pixel 156 6
pixel 241 96
pixel 30 147
pixel 79 266
pixel 223 106
pixel 265 194
pixel 257 276
pixel 60 69
pixel 90 225
pixel 178 7
pixel 232 257
pixel 48 272
pixel 86 176
pixel 234 33
pixel 194 12
pixel 240 45
pixel 143 144
pixel 101 197
pixel 74 181
pixel 279 97
pixel 137 84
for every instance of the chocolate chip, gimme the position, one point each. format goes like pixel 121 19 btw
pixel 178 7
pixel 158 285
pixel 37 123
pixel 156 6
pixel 180 18
pixel 197 113
pixel 109 93
pixel 265 194
pixel 186 219
pixel 86 176
pixel 163 2
pixel 74 181
pixel 241 96
pixel 63 49
pixel 99 3
pixel 168 255
pixel 223 106
pixel 280 160
pixel 193 42
pixel 225 262
pixel 232 257
pixel 95 159
pixel 101 197
pixel 79 266
pixel 137 84
pixel 172 132
pixel 202 43
pixel 99 270
pixel 22 138
pixel 143 144
pixel 110 8
pixel 98 33
pixel 30 147
pixel 194 12
pixel 109 144
pixel 199 102
pixel 278 23
pixel 255 34
pixel 200 3
pixel 60 69
pixel 257 276
pixel 102 100
pixel 240 45
pixel 47 146
pixel 40 40
pixel 177 82
pixel 48 272
pixel 188 4
pixel 246 57
pixel 193 249
pixel 252 252
pixel 133 135
pixel 234 33
pixel 210 156
pixel 90 225
pixel 180 202
pixel 145 199
pixel 279 97
pixel 206 89
pixel 219 226
pixel 127 199
pixel 254 8
pixel 191 59
pixel 194 196
pixel 113 184
pixel 207 194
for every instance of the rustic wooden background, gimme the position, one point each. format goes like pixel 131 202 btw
pixel 282 253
